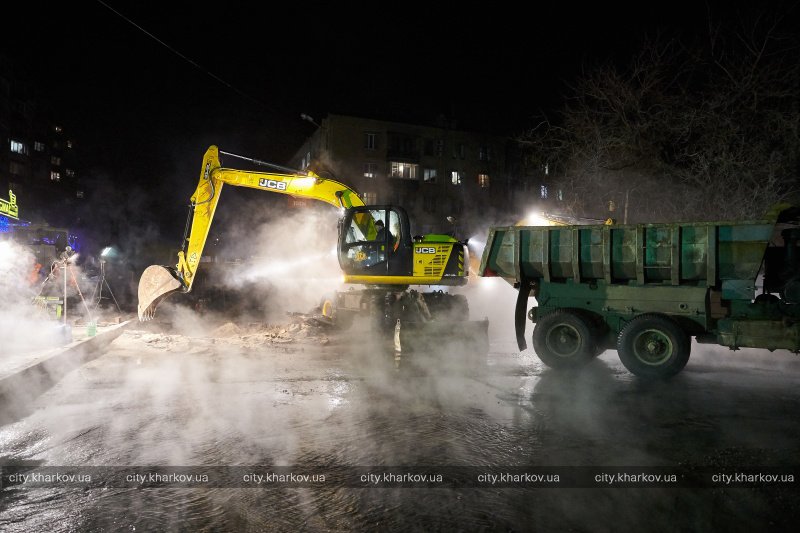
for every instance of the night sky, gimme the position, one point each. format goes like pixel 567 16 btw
pixel 491 68
pixel 143 115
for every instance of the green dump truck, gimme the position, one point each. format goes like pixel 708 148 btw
pixel 647 289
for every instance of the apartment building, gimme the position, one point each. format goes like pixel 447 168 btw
pixel 38 160
pixel 446 178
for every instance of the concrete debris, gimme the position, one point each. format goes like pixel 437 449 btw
pixel 249 336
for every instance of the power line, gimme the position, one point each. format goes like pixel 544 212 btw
pixel 184 57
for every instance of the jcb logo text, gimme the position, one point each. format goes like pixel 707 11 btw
pixel 425 250
pixel 272 184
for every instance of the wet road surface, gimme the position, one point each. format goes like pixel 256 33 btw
pixel 163 399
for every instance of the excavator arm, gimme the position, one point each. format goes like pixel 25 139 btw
pixel 158 282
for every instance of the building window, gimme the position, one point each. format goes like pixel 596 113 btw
pixel 428 148
pixel 455 177
pixel 370 170
pixel 79 194
pixel 543 192
pixel 439 147
pixel 407 171
pixel 55 160
pixel 58 129
pixel 483 180
pixel 484 154
pixel 69 144
pixel 70 173
pixel 459 151
pixel 369 198
pixel 16 168
pixel 18 147
pixel 55 175
pixel 370 141
pixel 429 175
pixel 38 146
pixel 560 195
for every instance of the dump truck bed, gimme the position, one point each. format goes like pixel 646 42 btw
pixel 694 254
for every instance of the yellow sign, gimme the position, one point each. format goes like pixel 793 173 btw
pixel 9 207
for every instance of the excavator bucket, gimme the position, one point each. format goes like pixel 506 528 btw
pixel 157 282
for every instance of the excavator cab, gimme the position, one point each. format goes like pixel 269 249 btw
pixel 375 241
pixel 371 256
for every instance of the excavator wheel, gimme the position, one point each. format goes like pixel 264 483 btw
pixel 157 282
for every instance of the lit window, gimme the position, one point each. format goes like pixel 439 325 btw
pixel 483 180
pixel 18 147
pixel 560 195
pixel 55 160
pixel 455 177
pixel 543 192
pixel 429 175
pixel 407 171
pixel 370 198
pixel 69 144
pixel 370 170
pixel 58 129
pixel 79 194
pixel 38 146
pixel 370 141
pixel 70 173
pixel 484 153
pixel 55 175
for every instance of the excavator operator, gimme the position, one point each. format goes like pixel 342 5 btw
pixel 382 231
pixel 377 252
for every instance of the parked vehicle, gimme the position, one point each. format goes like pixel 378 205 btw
pixel 647 289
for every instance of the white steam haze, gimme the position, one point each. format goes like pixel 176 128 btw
pixel 188 394
pixel 290 258
pixel 23 325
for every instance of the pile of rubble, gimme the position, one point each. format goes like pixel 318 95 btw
pixel 256 333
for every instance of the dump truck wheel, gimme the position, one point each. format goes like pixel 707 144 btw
pixel 653 346
pixel 564 339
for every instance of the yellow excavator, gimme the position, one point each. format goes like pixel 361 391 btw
pixel 376 250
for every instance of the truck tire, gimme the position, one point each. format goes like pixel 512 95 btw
pixel 653 346
pixel 564 339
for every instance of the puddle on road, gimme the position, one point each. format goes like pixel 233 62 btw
pixel 195 401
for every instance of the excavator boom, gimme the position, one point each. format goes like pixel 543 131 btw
pixel 158 282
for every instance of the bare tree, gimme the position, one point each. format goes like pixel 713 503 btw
pixel 707 131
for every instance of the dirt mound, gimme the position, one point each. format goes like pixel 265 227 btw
pixel 226 330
